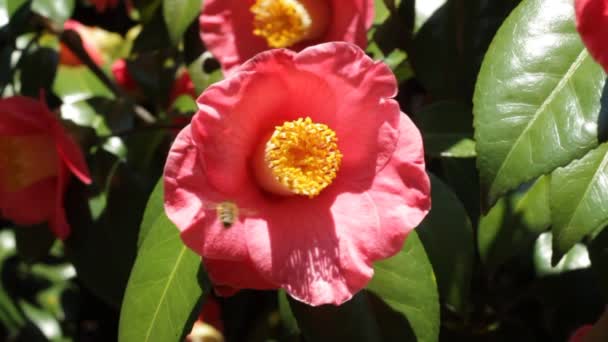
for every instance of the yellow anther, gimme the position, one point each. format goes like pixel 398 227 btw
pixel 25 160
pixel 282 23
pixel 303 156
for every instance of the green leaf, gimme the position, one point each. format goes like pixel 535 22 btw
pixel 576 258
pixel 400 304
pixel 406 283
pixel 156 205
pixel 178 15
pixel 447 129
pixel 8 8
pixel 537 97
pixel 201 77
pixel 73 84
pixel 57 10
pixel 289 321
pixel 514 223
pixel 579 199
pixel 164 288
pixel 448 47
pixel 447 236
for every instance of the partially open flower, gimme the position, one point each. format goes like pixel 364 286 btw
pixel 37 158
pixel 298 172
pixel 67 57
pixel 592 24
pixel 236 30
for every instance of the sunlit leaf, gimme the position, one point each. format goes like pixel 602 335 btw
pixel 164 288
pixel 576 258
pixel 537 97
pixel 579 199
pixel 514 223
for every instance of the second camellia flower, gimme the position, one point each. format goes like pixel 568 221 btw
pixel 298 172
pixel 236 30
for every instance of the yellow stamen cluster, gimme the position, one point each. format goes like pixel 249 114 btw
pixel 282 23
pixel 303 156
pixel 25 160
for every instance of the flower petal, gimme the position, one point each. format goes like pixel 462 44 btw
pixel 365 90
pixel 227 31
pixel 18 206
pixel 592 24
pixel 190 203
pixel 350 21
pixel 229 276
pixel 22 115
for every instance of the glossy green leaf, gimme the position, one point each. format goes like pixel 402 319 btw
pixel 11 315
pixel 400 304
pixel 164 289
pixel 56 10
pixel 576 258
pixel 178 15
pixel 449 45
pixel 447 236
pixel 579 199
pixel 406 283
pixel 537 97
pixel 447 129
pixel 514 223
pixel 156 205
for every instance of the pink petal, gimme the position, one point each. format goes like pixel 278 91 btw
pixel 229 276
pixel 364 90
pixel 227 29
pixel 592 24
pixel 190 203
pixel 350 22
pixel 333 83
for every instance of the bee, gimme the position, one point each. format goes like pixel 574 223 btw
pixel 227 212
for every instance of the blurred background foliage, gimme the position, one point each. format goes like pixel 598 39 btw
pixel 481 267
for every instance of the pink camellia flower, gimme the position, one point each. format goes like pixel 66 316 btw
pixel 592 24
pixel 298 172
pixel 236 30
pixel 67 57
pixel 36 160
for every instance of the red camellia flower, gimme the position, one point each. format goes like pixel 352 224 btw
pixel 298 172
pixel 67 57
pixel 36 160
pixel 236 30
pixel 592 24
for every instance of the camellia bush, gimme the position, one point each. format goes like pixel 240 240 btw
pixel 303 170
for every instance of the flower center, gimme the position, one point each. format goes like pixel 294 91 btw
pixel 25 160
pixel 284 23
pixel 303 156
